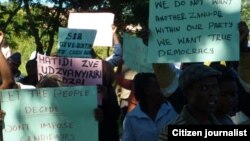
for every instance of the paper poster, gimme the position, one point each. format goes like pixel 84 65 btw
pixel 76 42
pixel 102 22
pixel 50 114
pixel 73 71
pixel 135 54
pixel 193 30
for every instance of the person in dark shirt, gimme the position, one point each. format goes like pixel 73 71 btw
pixel 228 98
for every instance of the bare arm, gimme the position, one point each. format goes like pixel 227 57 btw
pixel 114 58
pixel 6 75
pixel 115 38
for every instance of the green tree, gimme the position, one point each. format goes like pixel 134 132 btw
pixel 245 11
pixel 31 25
pixel 44 23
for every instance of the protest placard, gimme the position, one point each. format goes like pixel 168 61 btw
pixel 73 71
pixel 76 42
pixel 102 22
pixel 193 30
pixel 58 114
pixel 135 54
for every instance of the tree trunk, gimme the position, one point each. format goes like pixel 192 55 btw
pixel 39 46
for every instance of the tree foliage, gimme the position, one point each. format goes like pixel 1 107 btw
pixel 38 22
pixel 245 11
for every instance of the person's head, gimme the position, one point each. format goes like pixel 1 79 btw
pixel 199 83
pixel 31 68
pixel 228 98
pixel 147 88
pixel 242 26
pixel 14 61
pixel 185 65
pixel 244 34
pixel 50 80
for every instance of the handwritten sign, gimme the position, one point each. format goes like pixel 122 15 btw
pixel 135 54
pixel 73 71
pixel 193 30
pixel 76 42
pixel 102 22
pixel 55 114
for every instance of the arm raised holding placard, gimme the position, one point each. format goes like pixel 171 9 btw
pixel 243 70
pixel 116 56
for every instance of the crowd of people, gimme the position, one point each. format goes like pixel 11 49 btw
pixel 194 94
